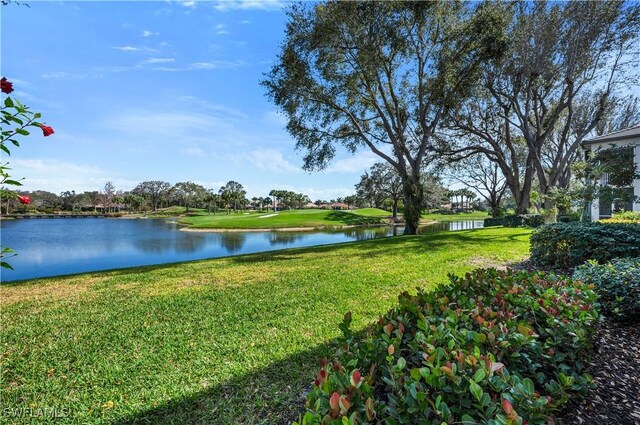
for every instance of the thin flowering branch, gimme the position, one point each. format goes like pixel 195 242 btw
pixel 15 118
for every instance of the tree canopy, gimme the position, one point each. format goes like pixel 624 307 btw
pixel 380 75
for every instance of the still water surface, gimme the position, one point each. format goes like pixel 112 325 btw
pixel 52 247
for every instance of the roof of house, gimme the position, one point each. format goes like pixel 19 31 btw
pixel 627 133
pixel 340 204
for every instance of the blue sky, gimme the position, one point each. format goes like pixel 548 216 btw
pixel 156 90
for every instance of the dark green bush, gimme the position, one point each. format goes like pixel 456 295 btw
pixel 493 347
pixel 617 284
pixel 567 245
pixel 532 220
pixel 512 220
pixel 491 221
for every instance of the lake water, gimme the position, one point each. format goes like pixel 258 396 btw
pixel 52 247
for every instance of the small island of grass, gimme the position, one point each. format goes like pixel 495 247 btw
pixel 309 219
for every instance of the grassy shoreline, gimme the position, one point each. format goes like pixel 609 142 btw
pixel 290 219
pixel 230 340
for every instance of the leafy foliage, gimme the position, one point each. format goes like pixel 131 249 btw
pixel 380 76
pixel 567 245
pixel 493 347
pixel 16 118
pixel 521 220
pixel 493 221
pixel 624 217
pixel 617 284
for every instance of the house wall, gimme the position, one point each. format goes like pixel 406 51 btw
pixel 595 207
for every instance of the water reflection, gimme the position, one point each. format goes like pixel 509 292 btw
pixel 55 246
pixel 233 241
pixel 283 238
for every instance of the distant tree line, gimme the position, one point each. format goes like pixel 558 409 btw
pixel 155 195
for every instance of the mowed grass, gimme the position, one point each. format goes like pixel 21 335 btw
pixel 475 215
pixel 224 341
pixel 286 219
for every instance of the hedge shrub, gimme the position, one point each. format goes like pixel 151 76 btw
pixel 567 245
pixel 492 347
pixel 512 220
pixel 624 217
pixel 617 284
pixel 493 221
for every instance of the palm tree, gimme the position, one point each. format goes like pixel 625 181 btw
pixel 275 194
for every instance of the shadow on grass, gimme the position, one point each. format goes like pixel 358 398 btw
pixel 271 395
pixel 381 247
pixel 351 219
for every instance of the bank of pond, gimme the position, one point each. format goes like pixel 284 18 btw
pixel 61 247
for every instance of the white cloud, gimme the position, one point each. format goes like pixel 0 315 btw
pixel 194 152
pixel 147 33
pixel 202 66
pixel 245 22
pixel 355 164
pixel 20 83
pixel 62 75
pixel 221 29
pixel 189 4
pixel 270 160
pixel 217 64
pixel 160 60
pixel 55 176
pixel 275 118
pixel 127 48
pixel 135 49
pixel 223 6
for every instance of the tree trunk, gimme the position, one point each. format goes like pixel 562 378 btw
pixel 413 197
pixel 395 208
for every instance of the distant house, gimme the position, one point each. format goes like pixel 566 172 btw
pixel 312 205
pixel 339 206
pixel 628 137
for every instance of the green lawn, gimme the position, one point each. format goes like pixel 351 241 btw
pixel 476 215
pixel 224 341
pixel 283 219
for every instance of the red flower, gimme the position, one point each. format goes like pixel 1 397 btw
pixel 24 199
pixel 46 130
pixel 7 86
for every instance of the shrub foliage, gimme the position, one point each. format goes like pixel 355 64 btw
pixel 522 220
pixel 617 284
pixel 492 347
pixel 567 245
pixel 624 217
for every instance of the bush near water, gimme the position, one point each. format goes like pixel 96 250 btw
pixel 522 220
pixel 494 347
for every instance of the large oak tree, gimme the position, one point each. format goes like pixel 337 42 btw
pixel 380 75
pixel 566 66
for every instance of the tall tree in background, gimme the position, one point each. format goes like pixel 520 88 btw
pixel 233 194
pixel 484 177
pixel 381 182
pixel 380 75
pixel 567 62
pixel 189 193
pixel 107 195
pixel 434 192
pixel 153 191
